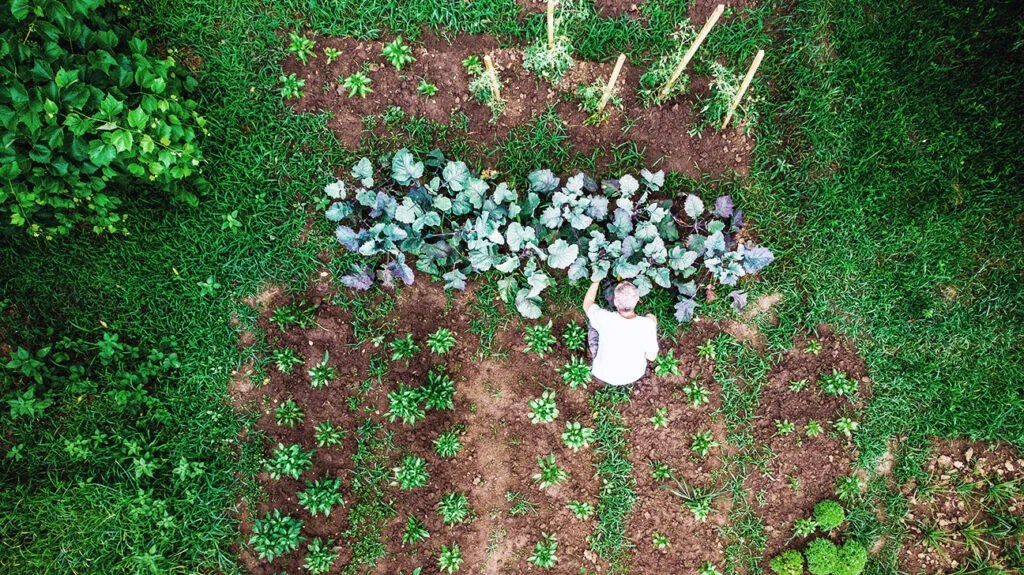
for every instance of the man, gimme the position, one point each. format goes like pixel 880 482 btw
pixel 621 343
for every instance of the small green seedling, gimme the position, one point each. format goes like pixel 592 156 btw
pixel 286 359
pixel 576 436
pixel 660 418
pixel 427 89
pixel 846 426
pixel 290 461
pixel 543 555
pixel 543 409
pixel 798 385
pixel 581 510
pixel 708 568
pixel 804 527
pixel 358 84
pixel 275 535
pixel 327 434
pixel 448 444
pixel 575 373
pixel 574 336
pixel 453 507
pixel 441 341
pixel 289 413
pixel 706 350
pixel 590 102
pixel 659 541
pixel 439 391
pixel 784 427
pixel 404 348
pixel 813 429
pixel 297 313
pixel 291 87
pixel 702 443
pixel 697 394
pixel 320 556
pixel 398 53
pixel 813 347
pixel 302 47
pixel 405 405
pixel 660 471
pixel 321 496
pixel 666 364
pixel 838 383
pixel 474 65
pixel 539 339
pixel 550 473
pixel 549 62
pixel 322 374
pixel 450 558
pixel 332 54
pixel 411 473
pixel 415 531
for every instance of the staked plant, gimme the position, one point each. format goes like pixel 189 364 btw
pixel 660 418
pixel 289 413
pixel 838 383
pixel 275 535
pixel 411 473
pixel 332 54
pixel 438 392
pixel 427 89
pixel 398 53
pixel 302 47
pixel 321 496
pixel 289 461
pixel 405 405
pixel 549 63
pixel 543 555
pixel 581 510
pixel 666 364
pixel 543 409
pixel 441 341
pixel 575 373
pixel 702 443
pixel 590 102
pixel 322 374
pixel 450 558
pixel 659 541
pixel 403 348
pixel 576 436
pixel 453 507
pixel 285 359
pixel 574 336
pixel 320 556
pixel 715 106
pixel 327 434
pixel 291 87
pixel 653 81
pixel 697 394
pixel 481 87
pixel 415 531
pixel 550 473
pixel 539 339
pixel 357 84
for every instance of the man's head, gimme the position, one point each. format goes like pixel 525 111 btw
pixel 626 297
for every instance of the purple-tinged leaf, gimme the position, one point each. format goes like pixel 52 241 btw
pixel 756 258
pixel 347 237
pixel 739 299
pixel 359 279
pixel 685 309
pixel 401 270
pixel 384 204
pixel 723 206
pixel 737 221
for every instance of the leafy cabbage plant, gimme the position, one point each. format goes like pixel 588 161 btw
pixel 436 217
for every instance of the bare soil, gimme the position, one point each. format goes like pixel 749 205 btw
pixel 660 132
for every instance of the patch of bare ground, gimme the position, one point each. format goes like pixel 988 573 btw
pixel 698 11
pixel 969 510
pixel 617 8
pixel 661 132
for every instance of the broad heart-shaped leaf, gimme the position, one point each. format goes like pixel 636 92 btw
pixel 408 211
pixel 517 236
pixel 628 185
pixel 643 285
pixel 715 226
pixel 737 221
pixel 335 190
pixel 508 265
pixel 685 309
pixel 481 256
pixel 661 276
pixel 687 290
pixel 622 225
pixel 575 183
pixel 693 206
pixel 384 204
pixel 427 220
pixel 504 194
pixel 366 198
pixel 404 167
pixel 739 299
pixel 679 258
pixel 654 181
pixel 598 208
pixel 756 258
pixel 542 181
pixel 442 203
pixel 530 204
pixel 715 244
pixel 347 237
pixel 454 279
pixel 578 270
pixel 401 270
pixel 646 232
pixel 339 211
pixel 723 206
pixel 551 217
pixel 624 269
pixel 528 306
pixel 630 245
pixel 599 270
pixel 455 175
pixel 656 251
pixel 580 221
pixel 562 254
pixel 363 171
pixel 358 279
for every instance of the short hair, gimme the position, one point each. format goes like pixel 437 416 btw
pixel 626 296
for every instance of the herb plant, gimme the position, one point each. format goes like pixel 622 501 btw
pixel 550 473
pixel 659 541
pixel 697 394
pixel 405 405
pixel 427 89
pixel 291 86
pixel 321 496
pixel 574 336
pixel 398 53
pixel 289 413
pixel 784 427
pixel 291 461
pixel 415 531
pixel 322 374
pixel 275 534
pixel 549 64
pixel 575 373
pixel 660 418
pixel 450 558
pixel 439 391
pixel 327 434
pixel 320 556
pixel 804 527
pixel 448 444
pixel 543 555
pixel 474 65
pixel 403 348
pixel 838 383
pixel 702 443
pixel 302 47
pixel 576 436
pixel 285 360
pixel 539 339
pixel 822 556
pixel 581 510
pixel 666 364
pixel 358 84
pixel 813 429
pixel 453 507
pixel 441 341
pixel 543 409
pixel 412 473
pixel 332 54
pixel 789 562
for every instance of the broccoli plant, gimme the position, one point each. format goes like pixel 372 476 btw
pixel 321 374
pixel 450 558
pixel 320 556
pixel 327 434
pixel 453 507
pixel 455 224
pixel 398 53
pixel 321 496
pixel 574 336
pixel 550 473
pixel 543 409
pixel 666 364
pixel 539 339
pixel 291 87
pixel 441 341
pixel 575 373
pixel 291 461
pixel 702 443
pixel 358 84
pixel 697 394
pixel 302 47
pixel 576 436
pixel 427 89
pixel 581 510
pixel 448 444
pixel 412 473
pixel 274 535
pixel 415 531
pixel 404 348
pixel 543 555
pixel 285 360
pixel 660 418
pixel 838 383
pixel 289 413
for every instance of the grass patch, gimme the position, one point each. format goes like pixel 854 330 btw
pixel 618 492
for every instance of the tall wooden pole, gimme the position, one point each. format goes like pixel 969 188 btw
pixel 495 86
pixel 744 86
pixel 611 83
pixel 692 50
pixel 551 24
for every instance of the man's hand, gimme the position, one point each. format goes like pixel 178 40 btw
pixel 652 316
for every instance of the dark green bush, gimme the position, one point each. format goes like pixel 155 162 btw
pixel 88 113
pixel 851 559
pixel 788 563
pixel 829 514
pixel 821 556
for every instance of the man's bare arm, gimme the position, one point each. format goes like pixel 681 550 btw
pixel 591 297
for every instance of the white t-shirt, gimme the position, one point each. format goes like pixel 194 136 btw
pixel 624 345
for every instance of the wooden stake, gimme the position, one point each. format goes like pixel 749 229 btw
pixel 551 24
pixel 495 86
pixel 611 83
pixel 744 86
pixel 692 50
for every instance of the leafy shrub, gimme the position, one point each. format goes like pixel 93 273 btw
pixel 441 341
pixel 322 374
pixel 321 496
pixel 439 391
pixel 576 436
pixel 404 348
pixel 302 47
pixel 543 409
pixel 575 373
pixel 405 405
pixel 398 53
pixel 829 514
pixel 666 364
pixel 789 562
pixel 580 509
pixel 91 115
pixel 574 227
pixel 543 555
pixel 327 434
pixel 453 507
pixel 539 339
pixel 289 413
pixel 838 383
pixel 821 556
pixel 291 461
pixel 285 360
pixel 551 64
pixel 275 534
pixel 450 558
pixel 320 556
pixel 415 531
pixel 574 336
pixel 412 473
pixel 550 473
pixel 448 444
pixel 851 559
